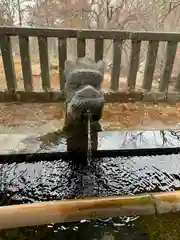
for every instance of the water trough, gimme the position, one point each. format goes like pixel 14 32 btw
pixel 111 145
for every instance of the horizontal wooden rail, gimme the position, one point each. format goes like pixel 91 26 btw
pixel 89 34
pixel 89 208
pixel 121 97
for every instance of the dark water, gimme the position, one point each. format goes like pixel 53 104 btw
pixel 107 176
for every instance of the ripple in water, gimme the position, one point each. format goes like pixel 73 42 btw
pixel 108 176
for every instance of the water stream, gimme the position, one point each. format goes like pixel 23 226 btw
pixel 89 155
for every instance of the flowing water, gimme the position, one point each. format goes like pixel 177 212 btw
pixel 89 155
pixel 110 176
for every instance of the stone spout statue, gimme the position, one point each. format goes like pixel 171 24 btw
pixel 83 93
pixel 82 89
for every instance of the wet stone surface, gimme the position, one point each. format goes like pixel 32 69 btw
pixel 107 176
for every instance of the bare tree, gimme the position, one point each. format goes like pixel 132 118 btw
pixel 7 12
pixel 129 15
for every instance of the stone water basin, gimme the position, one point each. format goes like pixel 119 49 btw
pixel 107 176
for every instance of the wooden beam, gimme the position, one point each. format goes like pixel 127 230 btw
pixel 90 34
pixel 134 64
pixel 62 52
pixel 168 66
pixel 99 49
pixel 44 63
pixel 110 97
pixel 89 208
pixel 81 48
pixel 150 65
pixel 26 63
pixel 8 63
pixel 117 52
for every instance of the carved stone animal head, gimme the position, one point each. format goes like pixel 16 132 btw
pixel 82 88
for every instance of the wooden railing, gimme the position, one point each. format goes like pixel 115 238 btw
pixel 62 35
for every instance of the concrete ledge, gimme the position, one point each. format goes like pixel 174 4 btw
pixel 110 97
pixel 171 98
pixel 22 96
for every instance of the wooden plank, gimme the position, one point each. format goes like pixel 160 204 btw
pixel 134 64
pixel 117 51
pixel 150 64
pixel 94 208
pixel 62 51
pixel 81 47
pixel 44 63
pixel 90 34
pixel 99 49
pixel 26 63
pixel 8 62
pixel 110 97
pixel 177 84
pixel 168 66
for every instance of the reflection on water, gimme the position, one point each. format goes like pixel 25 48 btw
pixel 107 176
pixel 106 140
pixel 140 139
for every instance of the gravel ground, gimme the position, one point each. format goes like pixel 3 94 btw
pixel 40 117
